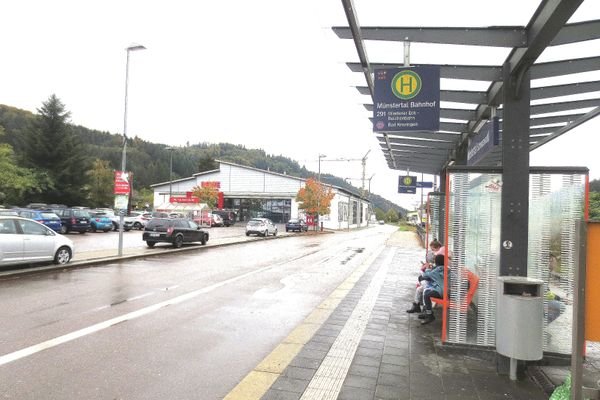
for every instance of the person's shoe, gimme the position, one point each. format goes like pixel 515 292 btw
pixel 428 318
pixel 415 308
pixel 423 315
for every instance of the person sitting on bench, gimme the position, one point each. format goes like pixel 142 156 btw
pixel 434 288
pixel 424 283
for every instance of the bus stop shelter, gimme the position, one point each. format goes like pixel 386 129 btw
pixel 481 141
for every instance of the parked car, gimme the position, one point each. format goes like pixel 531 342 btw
pixel 46 217
pixel 24 241
pixel 229 217
pixel 159 214
pixel 73 219
pixel 99 221
pixel 8 213
pixel 176 231
pixel 116 219
pixel 381 222
pixel 208 219
pixel 296 224
pixel 261 226
pixel 139 219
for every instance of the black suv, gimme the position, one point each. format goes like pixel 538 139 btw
pixel 227 216
pixel 73 219
pixel 176 231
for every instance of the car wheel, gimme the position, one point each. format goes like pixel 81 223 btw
pixel 115 226
pixel 247 234
pixel 287 230
pixel 275 233
pixel 178 241
pixel 266 233
pixel 150 244
pixel 137 226
pixel 62 256
pixel 64 230
pixel 203 239
pixel 93 228
pixel 105 230
pixel 83 232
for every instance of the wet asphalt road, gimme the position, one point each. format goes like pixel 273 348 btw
pixel 92 241
pixel 185 326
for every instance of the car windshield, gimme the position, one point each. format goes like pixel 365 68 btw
pixel 48 215
pixel 293 221
pixel 81 214
pixel 159 222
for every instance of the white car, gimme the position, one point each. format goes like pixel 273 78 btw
pixel 261 226
pixel 24 241
pixel 139 219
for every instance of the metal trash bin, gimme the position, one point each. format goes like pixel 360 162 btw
pixel 519 319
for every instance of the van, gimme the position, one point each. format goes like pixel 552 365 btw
pixel 228 217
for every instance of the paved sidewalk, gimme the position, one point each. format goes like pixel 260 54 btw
pixel 370 348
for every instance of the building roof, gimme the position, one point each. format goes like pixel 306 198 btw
pixel 338 188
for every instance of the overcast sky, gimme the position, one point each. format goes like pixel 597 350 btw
pixel 264 74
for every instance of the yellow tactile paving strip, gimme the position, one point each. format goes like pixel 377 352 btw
pixel 258 381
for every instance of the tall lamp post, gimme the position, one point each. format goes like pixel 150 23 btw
pixel 124 154
pixel 170 172
pixel 319 197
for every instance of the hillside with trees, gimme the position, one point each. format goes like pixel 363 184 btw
pixel 45 158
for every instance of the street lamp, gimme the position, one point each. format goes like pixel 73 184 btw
pixel 124 154
pixel 170 172
pixel 320 156
pixel 319 196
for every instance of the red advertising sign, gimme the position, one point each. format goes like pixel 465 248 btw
pixel 212 184
pixel 122 182
pixel 188 199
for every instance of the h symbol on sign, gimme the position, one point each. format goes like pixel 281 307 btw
pixel 406 81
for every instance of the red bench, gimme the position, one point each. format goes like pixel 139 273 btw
pixel 464 306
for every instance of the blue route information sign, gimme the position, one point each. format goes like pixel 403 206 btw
pixel 407 99
pixel 407 184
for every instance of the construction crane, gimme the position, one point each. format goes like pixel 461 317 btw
pixel 362 160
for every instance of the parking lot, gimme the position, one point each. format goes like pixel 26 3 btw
pixel 92 244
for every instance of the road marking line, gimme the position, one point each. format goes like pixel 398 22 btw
pixel 258 381
pixel 327 381
pixel 16 355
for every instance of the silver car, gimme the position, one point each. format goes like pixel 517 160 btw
pixel 261 226
pixel 24 241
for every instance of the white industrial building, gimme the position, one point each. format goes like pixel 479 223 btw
pixel 252 192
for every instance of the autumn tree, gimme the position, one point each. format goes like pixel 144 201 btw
pixel 207 194
pixel 315 198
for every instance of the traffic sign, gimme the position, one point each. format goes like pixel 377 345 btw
pixel 407 99
pixel 407 184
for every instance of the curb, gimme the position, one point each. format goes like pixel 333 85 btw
pixel 158 252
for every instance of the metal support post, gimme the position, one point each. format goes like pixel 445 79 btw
pixel 515 175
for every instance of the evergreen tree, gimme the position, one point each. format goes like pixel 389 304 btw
pixel 51 147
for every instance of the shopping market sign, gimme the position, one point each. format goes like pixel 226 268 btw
pixel 122 182
pixel 187 199
pixel 407 184
pixel 407 99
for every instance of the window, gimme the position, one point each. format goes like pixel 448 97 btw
pixel 7 226
pixel 32 228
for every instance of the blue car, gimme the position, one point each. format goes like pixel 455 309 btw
pixel 99 221
pixel 45 217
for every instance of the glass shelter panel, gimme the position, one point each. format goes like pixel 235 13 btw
pixel 556 202
pixel 474 243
